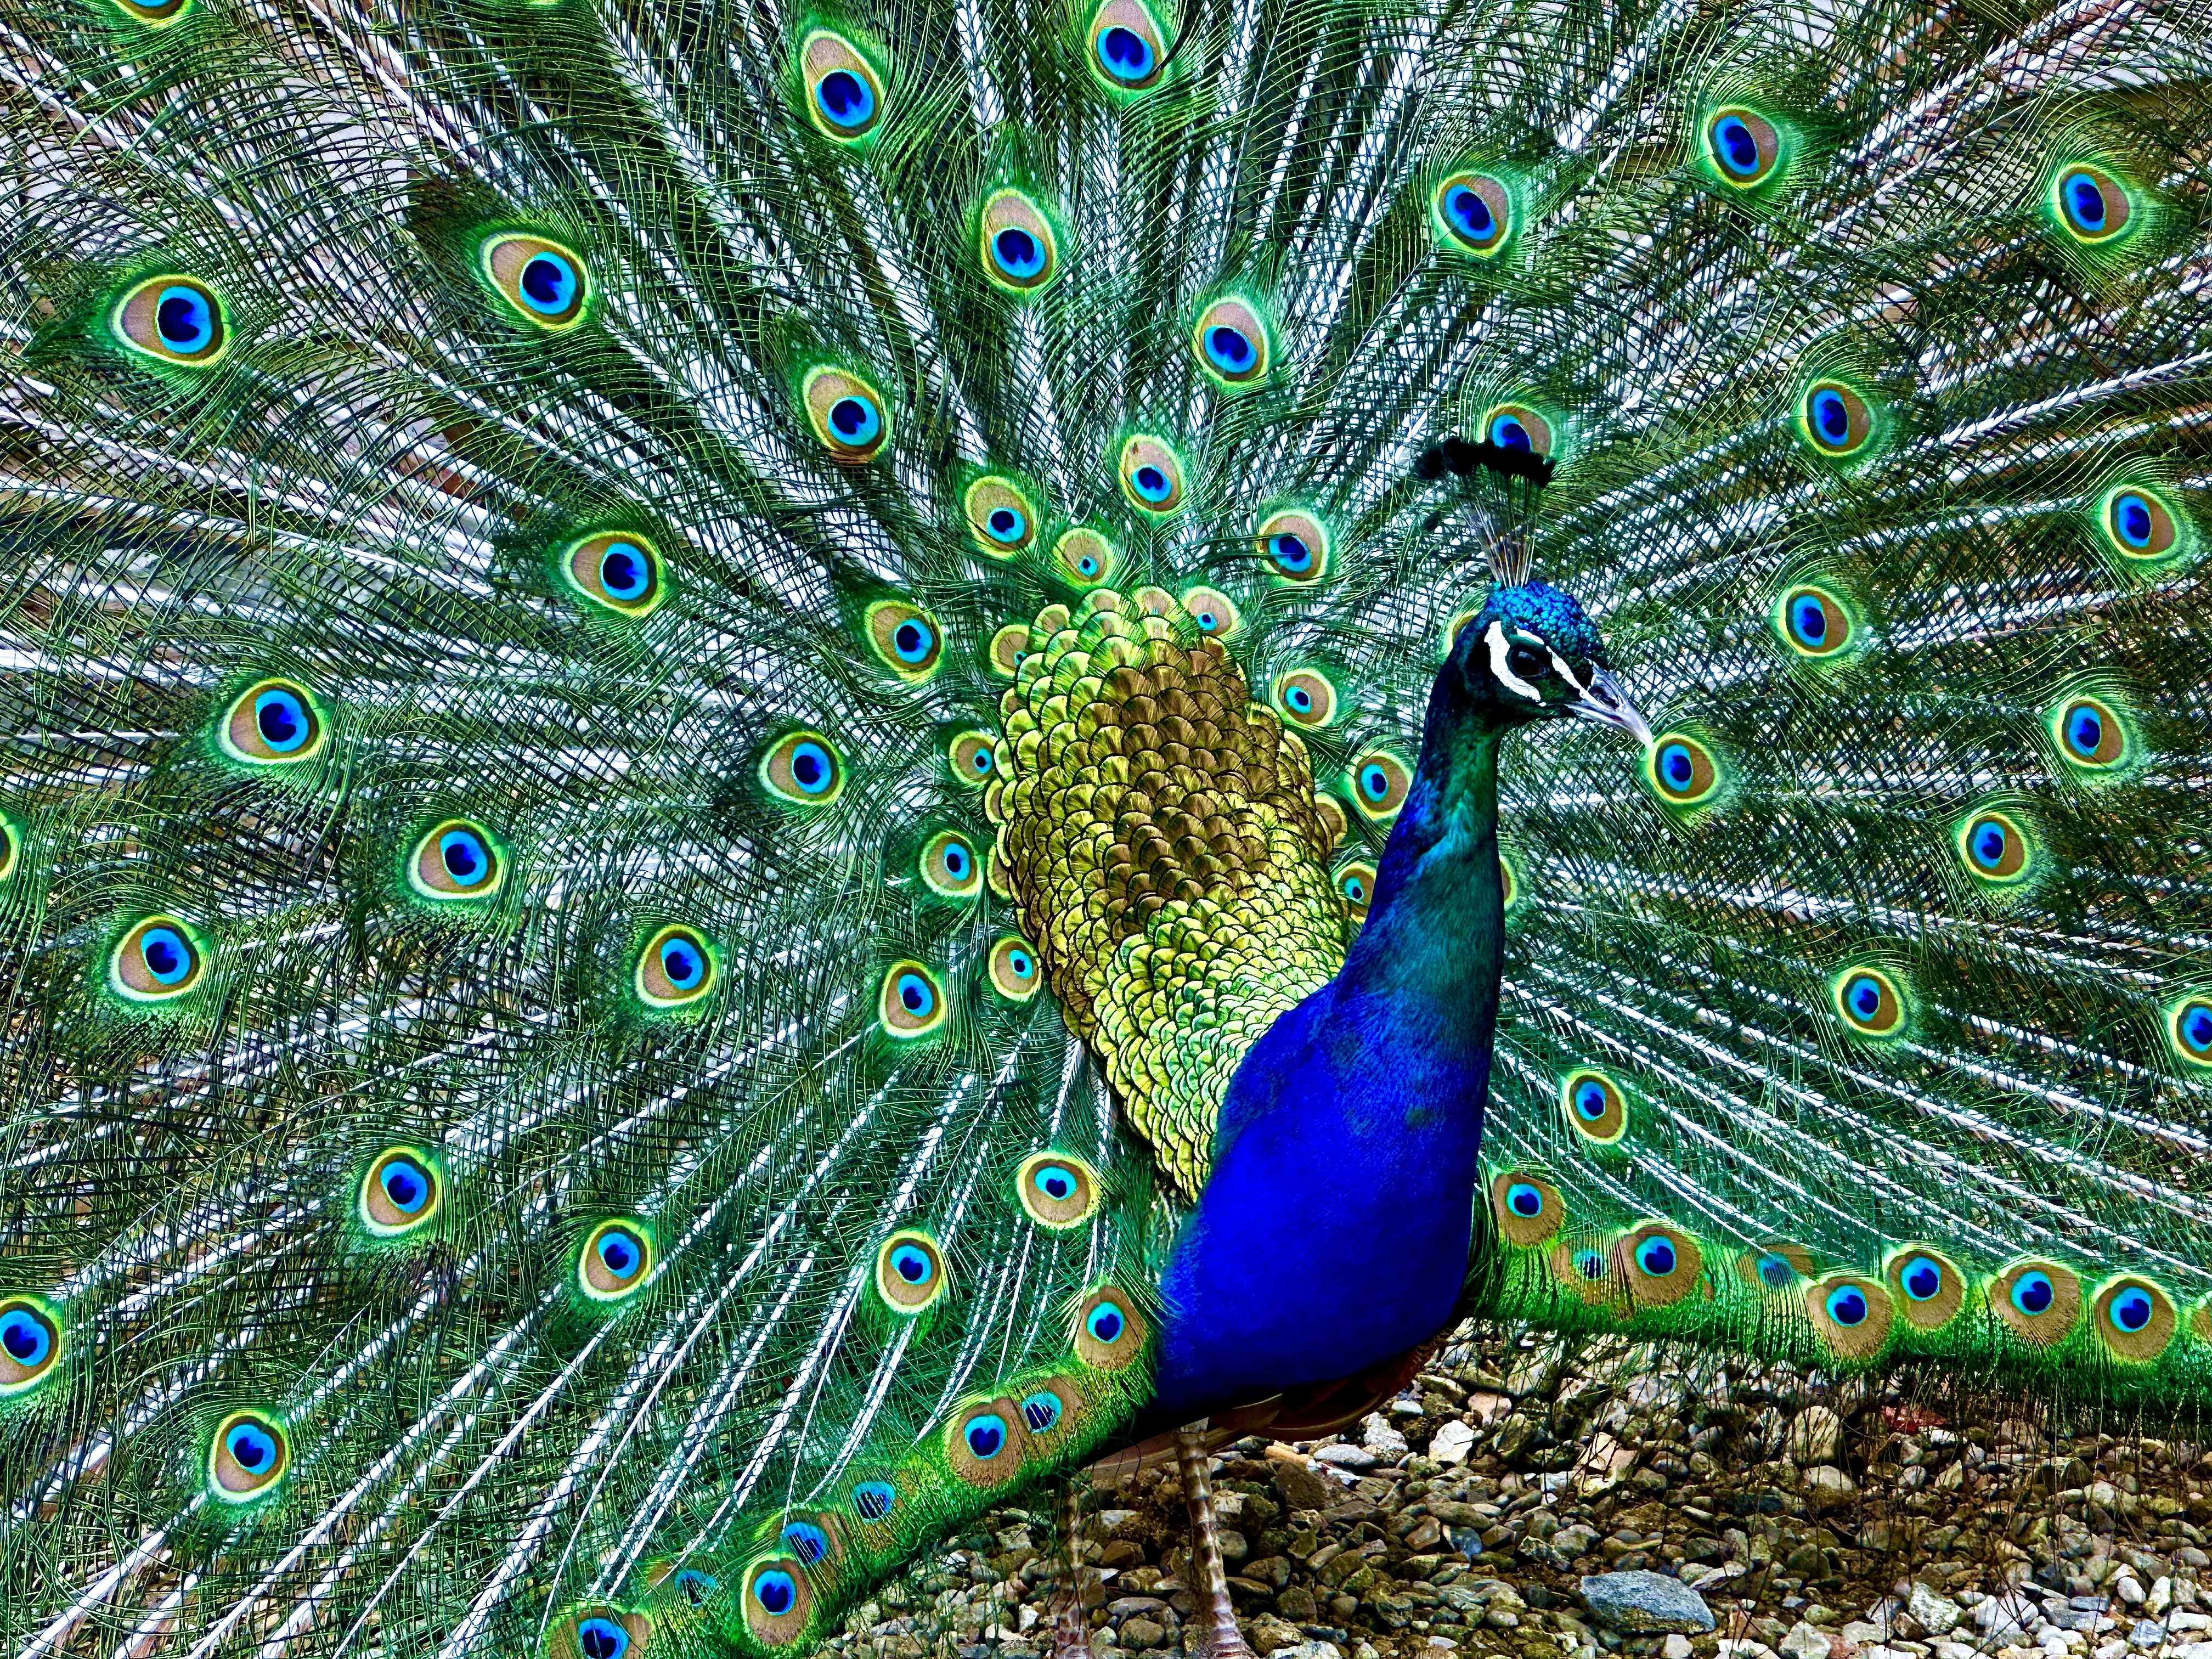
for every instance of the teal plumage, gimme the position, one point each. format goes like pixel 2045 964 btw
pixel 568 1052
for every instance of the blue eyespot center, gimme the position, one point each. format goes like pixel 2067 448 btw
pixel 1300 698
pixel 1737 150
pixel 874 1500
pixel 683 963
pixel 810 768
pixel 2032 1293
pixel 1656 1257
pixel 2196 1027
pixel 912 1264
pixel 1809 620
pixel 1041 1411
pixel 1229 349
pixel 406 1183
pixel 776 1593
pixel 548 283
pixel 845 98
pixel 986 1435
pixel 602 1638
pixel 250 1447
pixel 1374 782
pixel 1590 1100
pixel 281 720
pixel 1776 1271
pixel 915 995
pixel 696 1586
pixel 808 1541
pixel 1508 433
pixel 1831 419
pixel 1590 1264
pixel 957 861
pixel 2132 1310
pixel 2085 203
pixel 1676 766
pixel 184 319
pixel 1020 964
pixel 1106 1323
pixel 1355 889
pixel 621 1253
pixel 1470 214
pixel 1005 524
pixel 167 957
pixel 624 571
pixel 2131 518
pixel 1150 483
pixel 1016 253
pixel 465 857
pixel 1289 551
pixel 855 420
pixel 2085 732
pixel 25 1338
pixel 1055 1182
pixel 1126 55
pixel 1864 996
pixel 1847 1305
pixel 1922 1279
pixel 1524 1200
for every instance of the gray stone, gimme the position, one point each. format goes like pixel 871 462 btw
pixel 1645 1603
pixel 1938 1615
pixel 1346 1457
pixel 2148 1633
pixel 1311 1650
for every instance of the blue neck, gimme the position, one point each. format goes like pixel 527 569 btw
pixel 1332 1234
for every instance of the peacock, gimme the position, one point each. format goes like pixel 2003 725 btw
pixel 774 765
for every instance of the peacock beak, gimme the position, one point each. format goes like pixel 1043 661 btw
pixel 1603 701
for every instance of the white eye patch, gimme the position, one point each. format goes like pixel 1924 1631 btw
pixel 1500 651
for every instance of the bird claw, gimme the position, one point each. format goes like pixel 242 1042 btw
pixel 1071 1632
pixel 1229 1644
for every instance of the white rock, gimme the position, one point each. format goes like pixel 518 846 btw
pixel 1826 1485
pixel 2160 1597
pixel 1806 1641
pixel 1731 1648
pixel 2185 1619
pixel 1452 1443
pixel 1379 1438
pixel 1676 1646
pixel 2129 1591
pixel 1308 1650
pixel 1957 1650
pixel 1816 1435
pixel 1938 1615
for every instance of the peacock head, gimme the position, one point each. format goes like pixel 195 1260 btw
pixel 1532 654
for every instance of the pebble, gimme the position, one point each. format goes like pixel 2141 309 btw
pixel 1638 1602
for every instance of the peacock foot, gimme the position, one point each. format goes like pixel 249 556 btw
pixel 1071 1631
pixel 1219 1641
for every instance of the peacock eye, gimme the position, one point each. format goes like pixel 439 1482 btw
pixel 1014 969
pixel 677 966
pixel 455 860
pixel 910 1003
pixel 1527 662
pixel 543 281
pixel 1042 1411
pixel 950 867
pixel 1001 516
pixel 1743 145
pixel 158 957
pixel 249 1456
pixel 906 639
pixel 2092 205
pixel 1126 47
pixel 844 95
pixel 1085 555
pixel 601 1639
pixel 910 1272
pixel 272 723
pixel 1152 475
pixel 175 319
pixel 803 769
pixel 874 1500
pixel 1477 211
pixel 399 1195
pixel 847 413
pixel 808 1541
pixel 30 1342
pixel 1231 342
pixel 615 570
pixel 616 1261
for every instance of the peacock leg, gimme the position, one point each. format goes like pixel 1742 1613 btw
pixel 1218 1636
pixel 1071 1620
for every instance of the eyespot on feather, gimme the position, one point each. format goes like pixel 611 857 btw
pixel 401 1192
pixel 1835 418
pixel 912 1002
pixel 1681 770
pixel 599 1629
pixel 456 858
pixel 1015 973
pixel 1151 476
pixel 1995 848
pixel 678 965
pixel 1294 544
pixel 616 1260
pixel 1057 1189
pixel 778 1601
pixel 1850 1314
pixel 1109 1334
pixel 1660 1263
pixel 273 723
pixel 950 866
pixel 1008 647
pixel 804 768
pixel 1926 1287
pixel 1475 212
pixel 544 283
pixel 849 415
pixel 31 1343
pixel 2091 736
pixel 1517 426
pixel 2090 205
pixel 910 1273
pixel 2138 523
pixel 1211 611
pixel 247 1457
pixel 1595 1109
pixel 1355 884
pixel 1306 697
pixel 1230 342
pixel 1743 147
pixel 159 957
pixel 1529 1209
pixel 975 757
pixel 844 90
pixel 2040 1301
pixel 984 1442
pixel 1129 50
pixel 173 319
pixel 1814 623
pixel 1871 1001
pixel 617 570
pixel 1776 1264
pixel 2189 1028
pixel 2134 1319
pixel 1018 248
pixel 158 14
pixel 1380 783
pixel 1085 556
pixel 1000 516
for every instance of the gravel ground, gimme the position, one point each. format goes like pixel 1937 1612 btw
pixel 1818 1519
